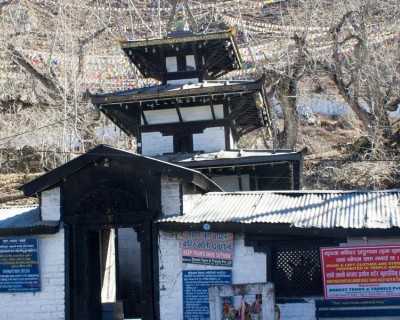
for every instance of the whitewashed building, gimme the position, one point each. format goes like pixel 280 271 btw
pixel 115 228
pixel 146 234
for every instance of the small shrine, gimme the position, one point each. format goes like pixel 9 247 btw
pixel 194 118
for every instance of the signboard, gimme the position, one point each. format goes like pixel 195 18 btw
pixel 208 248
pixel 195 291
pixel 19 265
pixel 361 272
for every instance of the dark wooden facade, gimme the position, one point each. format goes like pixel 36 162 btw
pixel 214 55
pixel 185 87
pixel 244 110
pixel 107 189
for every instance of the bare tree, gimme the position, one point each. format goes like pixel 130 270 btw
pixel 46 48
pixel 355 45
pixel 364 62
pixel 284 87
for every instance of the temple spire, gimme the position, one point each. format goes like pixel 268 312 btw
pixel 178 13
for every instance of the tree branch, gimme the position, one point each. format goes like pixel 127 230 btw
pixel 338 28
pixel 55 91
pixel 299 66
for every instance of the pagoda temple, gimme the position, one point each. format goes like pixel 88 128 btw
pixel 194 118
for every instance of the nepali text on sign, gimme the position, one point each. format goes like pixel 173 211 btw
pixel 361 272
pixel 208 248
pixel 19 265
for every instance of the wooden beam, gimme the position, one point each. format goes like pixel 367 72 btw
pixel 112 219
pixel 143 116
pixel 212 108
pixel 178 111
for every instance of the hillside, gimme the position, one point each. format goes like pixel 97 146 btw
pixel 54 56
pixel 331 160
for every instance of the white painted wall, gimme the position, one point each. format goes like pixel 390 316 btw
pixel 171 64
pixel 109 287
pixel 231 183
pixel 154 143
pixel 170 196
pixel 211 140
pixel 219 111
pixel 161 116
pixel 196 113
pixel 190 62
pixel 49 303
pixel 183 81
pixel 248 267
pixel 50 204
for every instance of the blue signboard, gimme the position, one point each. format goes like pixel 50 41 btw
pixel 195 291
pixel 19 265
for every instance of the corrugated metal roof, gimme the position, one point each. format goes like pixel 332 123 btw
pixel 303 209
pixel 23 217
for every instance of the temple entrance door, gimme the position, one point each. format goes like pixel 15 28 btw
pixel 93 249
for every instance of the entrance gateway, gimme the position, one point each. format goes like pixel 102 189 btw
pixel 111 255
pixel 109 202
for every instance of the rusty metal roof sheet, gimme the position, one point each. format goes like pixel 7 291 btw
pixel 303 209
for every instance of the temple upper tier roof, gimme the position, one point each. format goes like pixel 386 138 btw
pixel 213 54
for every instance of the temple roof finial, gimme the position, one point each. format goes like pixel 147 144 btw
pixel 180 21
pixel 178 14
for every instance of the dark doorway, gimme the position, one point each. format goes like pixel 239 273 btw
pixel 129 272
pixel 183 143
pixel 92 287
pixel 109 231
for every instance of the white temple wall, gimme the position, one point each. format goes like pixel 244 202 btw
pixel 231 183
pixel 154 143
pixel 211 140
pixel 248 267
pixel 49 303
pixel 50 204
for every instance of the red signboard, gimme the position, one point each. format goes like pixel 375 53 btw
pixel 361 272
pixel 210 248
